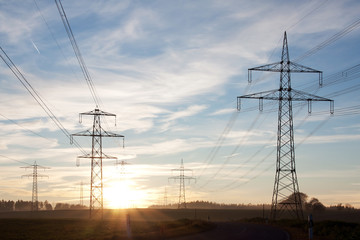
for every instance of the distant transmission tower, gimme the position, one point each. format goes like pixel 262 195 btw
pixel 96 156
pixel 122 164
pixel 81 193
pixel 286 194
pixel 165 198
pixel 35 176
pixel 182 177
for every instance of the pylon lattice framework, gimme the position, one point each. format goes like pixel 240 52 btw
pixel 35 176
pixel 182 177
pixel 286 194
pixel 96 156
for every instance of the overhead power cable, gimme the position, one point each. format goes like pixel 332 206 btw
pixel 244 138
pixel 220 141
pixel 29 130
pixel 12 159
pixel 78 53
pixel 36 95
pixel 330 40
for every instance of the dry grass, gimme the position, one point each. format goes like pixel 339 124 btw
pixel 79 229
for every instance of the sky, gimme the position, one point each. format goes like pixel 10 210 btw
pixel 171 71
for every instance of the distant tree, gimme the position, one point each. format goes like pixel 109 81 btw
pixel 348 206
pixel 291 198
pixel 48 206
pixel 7 205
pixel 77 206
pixel 314 205
pixel 339 206
pixel 62 206
pixel 21 205
pixel 66 206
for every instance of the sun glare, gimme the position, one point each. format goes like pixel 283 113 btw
pixel 123 194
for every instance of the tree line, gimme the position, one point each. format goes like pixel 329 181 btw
pixel 21 205
pixel 309 205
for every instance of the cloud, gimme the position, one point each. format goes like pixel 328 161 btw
pixel 190 111
pixel 223 111
pixel 330 139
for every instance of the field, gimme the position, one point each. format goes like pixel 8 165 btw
pixel 160 224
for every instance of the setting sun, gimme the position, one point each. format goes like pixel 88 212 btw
pixel 122 193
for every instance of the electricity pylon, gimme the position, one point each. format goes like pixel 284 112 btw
pixel 96 156
pixel 165 198
pixel 35 176
pixel 122 164
pixel 182 177
pixel 81 193
pixel 286 194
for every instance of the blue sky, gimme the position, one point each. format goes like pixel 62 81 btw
pixel 171 72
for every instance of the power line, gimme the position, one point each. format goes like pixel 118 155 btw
pixel 54 38
pixel 330 40
pixel 211 156
pixel 12 159
pixel 78 54
pixel 233 152
pixel 35 133
pixel 11 65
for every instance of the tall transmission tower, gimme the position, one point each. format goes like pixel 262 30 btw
pixel 286 194
pixel 35 176
pixel 182 177
pixel 96 156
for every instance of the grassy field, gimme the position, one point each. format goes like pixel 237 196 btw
pixel 81 229
pixel 162 223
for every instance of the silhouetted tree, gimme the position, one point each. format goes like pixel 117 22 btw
pixel 48 206
pixel 314 205
pixel 291 198
pixel 21 205
pixel 7 205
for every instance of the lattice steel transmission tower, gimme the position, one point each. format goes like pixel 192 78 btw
pixel 286 194
pixel 182 177
pixel 122 164
pixel 96 133
pixel 165 198
pixel 81 193
pixel 35 176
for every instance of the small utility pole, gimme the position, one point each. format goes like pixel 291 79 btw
pixel 35 176
pixel 182 177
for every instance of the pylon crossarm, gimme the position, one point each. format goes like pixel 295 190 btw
pixel 85 156
pixel 105 156
pixel 98 112
pixel 295 67
pixel 279 67
pixel 110 134
pixel 269 95
pixel 39 175
pixel 303 96
pixel 85 133
pixel 272 67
